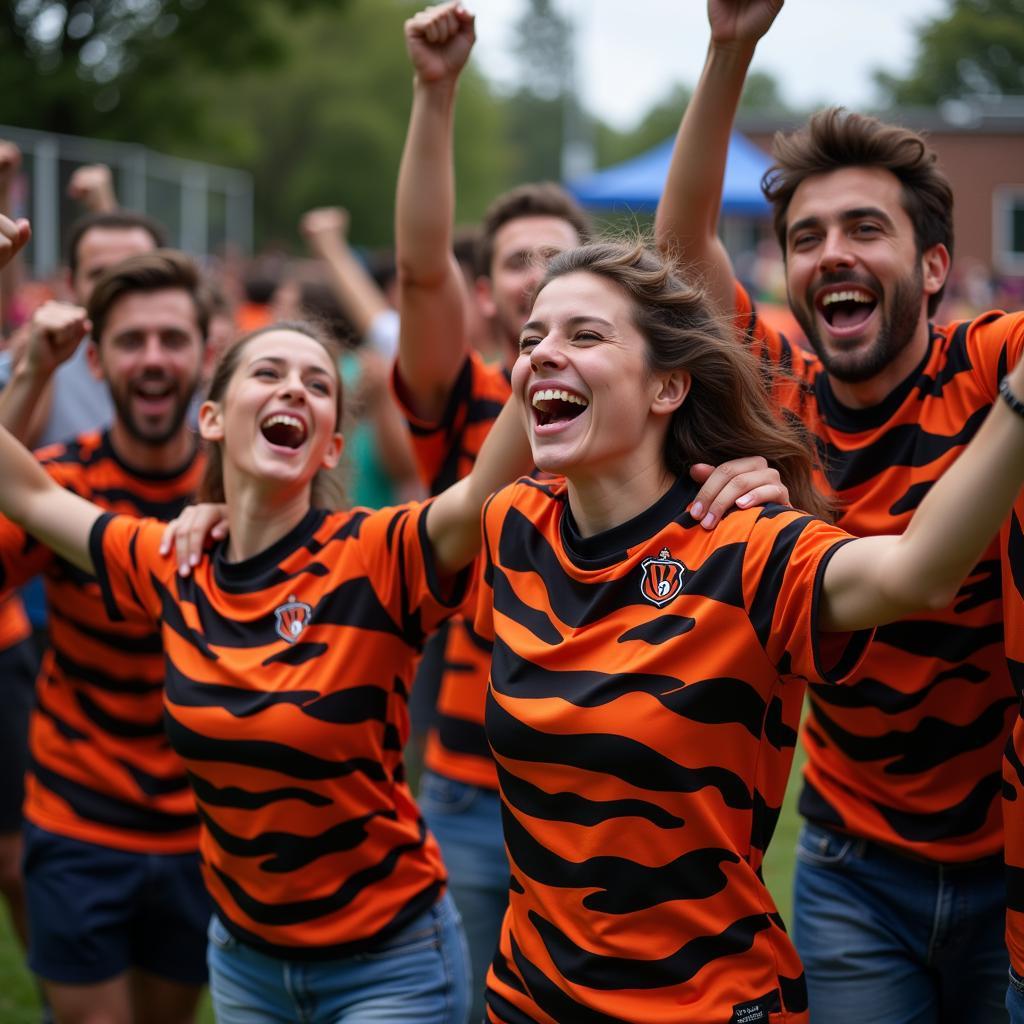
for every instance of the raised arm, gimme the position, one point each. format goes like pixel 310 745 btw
pixel 433 342
pixel 454 520
pixel 29 497
pixel 57 329
pixel 874 580
pixel 326 233
pixel 92 185
pixel 686 221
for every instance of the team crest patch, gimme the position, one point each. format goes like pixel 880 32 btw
pixel 661 578
pixel 292 618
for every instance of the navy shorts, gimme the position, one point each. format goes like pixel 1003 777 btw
pixel 95 912
pixel 18 667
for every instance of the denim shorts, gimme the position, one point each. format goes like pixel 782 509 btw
pixel 419 976
pixel 94 912
pixel 1015 998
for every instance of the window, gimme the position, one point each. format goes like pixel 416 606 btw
pixel 1008 229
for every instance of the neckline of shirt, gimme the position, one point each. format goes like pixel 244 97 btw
pixel 248 568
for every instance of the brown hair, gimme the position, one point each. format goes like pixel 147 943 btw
pixel 836 138
pixel 147 272
pixel 727 413
pixel 327 489
pixel 116 220
pixel 538 199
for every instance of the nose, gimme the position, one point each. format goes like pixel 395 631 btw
pixel 153 350
pixel 292 387
pixel 835 251
pixel 547 353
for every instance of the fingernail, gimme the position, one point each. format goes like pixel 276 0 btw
pixel 193 559
pixel 708 521
pixel 743 501
pixel 696 510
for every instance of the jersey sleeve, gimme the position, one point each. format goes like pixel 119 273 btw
pixel 994 343
pixel 446 450
pixel 132 574
pixel 783 570
pixel 771 346
pixel 399 563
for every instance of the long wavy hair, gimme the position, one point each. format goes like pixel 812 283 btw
pixel 327 489
pixel 727 413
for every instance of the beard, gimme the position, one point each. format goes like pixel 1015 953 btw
pixel 158 433
pixel 895 333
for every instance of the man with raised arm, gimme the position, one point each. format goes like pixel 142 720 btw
pixel 116 905
pixel 898 901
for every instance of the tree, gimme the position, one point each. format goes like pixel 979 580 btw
pixel 977 49
pixel 535 111
pixel 125 68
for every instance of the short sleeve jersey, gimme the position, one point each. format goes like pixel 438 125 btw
pixel 909 754
pixel 1012 543
pixel 645 696
pixel 445 452
pixel 286 697
pixel 101 768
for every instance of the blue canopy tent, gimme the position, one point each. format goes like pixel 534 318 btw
pixel 637 184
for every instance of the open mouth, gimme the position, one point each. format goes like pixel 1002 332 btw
pixel 283 430
pixel 556 405
pixel 847 308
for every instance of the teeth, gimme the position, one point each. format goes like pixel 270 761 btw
pixel 553 394
pixel 847 296
pixel 287 421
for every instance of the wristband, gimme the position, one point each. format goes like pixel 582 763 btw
pixel 1009 397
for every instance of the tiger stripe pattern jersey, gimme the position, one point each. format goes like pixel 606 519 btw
pixel 645 696
pixel 909 754
pixel 101 769
pixel 1012 546
pixel 445 453
pixel 287 699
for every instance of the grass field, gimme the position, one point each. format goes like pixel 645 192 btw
pixel 19 1002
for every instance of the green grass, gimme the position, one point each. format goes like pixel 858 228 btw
pixel 19 1001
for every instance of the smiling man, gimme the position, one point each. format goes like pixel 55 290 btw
pixel 899 897
pixel 117 909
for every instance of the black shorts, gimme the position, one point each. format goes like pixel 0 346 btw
pixel 95 912
pixel 18 667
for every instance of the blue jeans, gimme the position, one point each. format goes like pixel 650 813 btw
pixel 467 823
pixel 419 976
pixel 894 940
pixel 1015 998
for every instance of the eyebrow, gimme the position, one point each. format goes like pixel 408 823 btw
pixel 573 321
pixel 279 362
pixel 857 213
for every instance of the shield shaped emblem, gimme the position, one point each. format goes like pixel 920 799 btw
pixel 661 578
pixel 292 618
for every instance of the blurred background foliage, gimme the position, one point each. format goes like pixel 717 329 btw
pixel 312 96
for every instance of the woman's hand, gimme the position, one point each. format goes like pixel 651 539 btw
pixel 740 482
pixel 190 534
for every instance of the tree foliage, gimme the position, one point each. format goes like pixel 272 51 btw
pixel 977 49
pixel 125 68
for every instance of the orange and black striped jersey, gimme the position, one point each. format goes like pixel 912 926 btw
pixel 909 755
pixel 101 769
pixel 646 689
pixel 286 697
pixel 445 452
pixel 1012 549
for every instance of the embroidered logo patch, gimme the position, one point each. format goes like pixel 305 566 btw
pixel 661 578
pixel 292 618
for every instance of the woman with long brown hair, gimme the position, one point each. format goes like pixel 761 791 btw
pixel 648 675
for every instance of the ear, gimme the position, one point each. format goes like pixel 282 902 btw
pixel 211 421
pixel 332 454
pixel 935 264
pixel 92 357
pixel 485 297
pixel 671 390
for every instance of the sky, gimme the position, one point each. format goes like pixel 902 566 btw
pixel 630 52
